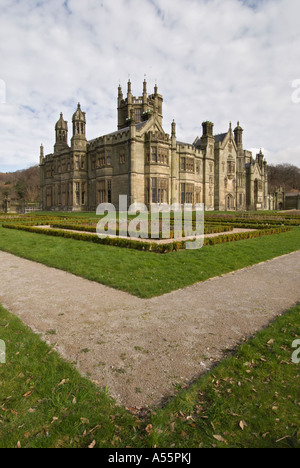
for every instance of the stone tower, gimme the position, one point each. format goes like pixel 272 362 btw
pixel 61 134
pixel 78 141
pixel 144 106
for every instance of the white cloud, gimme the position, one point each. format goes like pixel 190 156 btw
pixel 218 60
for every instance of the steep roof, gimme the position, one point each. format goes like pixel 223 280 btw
pixel 219 138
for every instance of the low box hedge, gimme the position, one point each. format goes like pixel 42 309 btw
pixel 167 247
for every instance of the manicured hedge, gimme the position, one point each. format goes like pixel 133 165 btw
pixel 92 228
pixel 146 246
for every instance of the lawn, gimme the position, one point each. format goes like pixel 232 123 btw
pixel 251 399
pixel 146 274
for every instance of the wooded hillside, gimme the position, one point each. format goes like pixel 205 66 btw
pixel 21 185
pixel 284 175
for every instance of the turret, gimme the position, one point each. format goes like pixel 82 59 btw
pixel 120 95
pixel 207 135
pixel 144 106
pixel 260 158
pixel 79 124
pixel 61 134
pixel 238 136
pixel 145 96
pixel 41 154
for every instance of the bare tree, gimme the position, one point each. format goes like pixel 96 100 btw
pixel 284 175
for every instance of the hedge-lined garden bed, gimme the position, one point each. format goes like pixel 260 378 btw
pixel 155 247
pixel 92 228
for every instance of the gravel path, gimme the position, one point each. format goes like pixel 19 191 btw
pixel 142 348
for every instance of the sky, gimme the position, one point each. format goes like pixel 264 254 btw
pixel 218 60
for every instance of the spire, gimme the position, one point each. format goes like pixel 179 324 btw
pixel 79 125
pixel 173 129
pixel 120 94
pixel 78 114
pixel 41 153
pixel 238 135
pixel 61 133
pixel 129 87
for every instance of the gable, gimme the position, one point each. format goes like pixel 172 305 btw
pixel 152 125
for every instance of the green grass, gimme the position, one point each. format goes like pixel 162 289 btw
pixel 44 402
pixel 249 400
pixel 146 274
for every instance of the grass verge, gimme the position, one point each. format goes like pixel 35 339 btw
pixel 251 399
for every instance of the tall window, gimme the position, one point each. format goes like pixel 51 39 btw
pixel 109 191
pixel 190 165
pixel 83 194
pixel 154 154
pixel 182 193
pixel 77 193
pixel 159 190
pixel 101 192
pixel 187 193
pixel 154 189
pixel 138 114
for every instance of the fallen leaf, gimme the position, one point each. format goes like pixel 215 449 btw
pixel 92 445
pixel 27 394
pixel 242 425
pixel 149 428
pixel 219 438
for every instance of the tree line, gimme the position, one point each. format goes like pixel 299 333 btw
pixel 21 185
pixel 284 175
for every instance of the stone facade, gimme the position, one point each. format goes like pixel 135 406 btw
pixel 282 200
pixel 148 165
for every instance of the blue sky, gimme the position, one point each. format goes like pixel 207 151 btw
pixel 218 60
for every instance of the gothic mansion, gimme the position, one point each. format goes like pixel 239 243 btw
pixel 148 165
